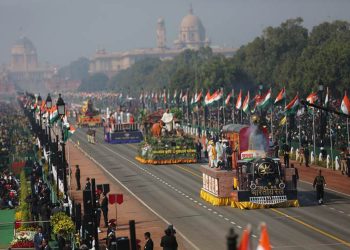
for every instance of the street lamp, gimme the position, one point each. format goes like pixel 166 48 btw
pixel 61 109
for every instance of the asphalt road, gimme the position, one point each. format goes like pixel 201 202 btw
pixel 172 191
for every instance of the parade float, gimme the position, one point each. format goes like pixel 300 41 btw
pixel 120 128
pixel 256 180
pixel 166 142
pixel 88 116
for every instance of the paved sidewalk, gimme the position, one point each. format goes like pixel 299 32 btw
pixel 130 209
pixel 334 179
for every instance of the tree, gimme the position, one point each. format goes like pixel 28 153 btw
pixel 96 82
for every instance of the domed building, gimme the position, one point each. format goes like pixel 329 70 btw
pixel 191 36
pixel 24 56
pixel 25 70
pixel 192 33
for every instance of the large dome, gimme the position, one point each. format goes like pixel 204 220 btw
pixel 191 22
pixel 25 43
pixel 192 32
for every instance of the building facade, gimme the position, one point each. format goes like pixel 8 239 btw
pixel 24 69
pixel 192 35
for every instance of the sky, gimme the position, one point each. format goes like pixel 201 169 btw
pixel 64 30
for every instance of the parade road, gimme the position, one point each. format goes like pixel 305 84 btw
pixel 172 192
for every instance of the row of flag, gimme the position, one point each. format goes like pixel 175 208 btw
pixel 246 105
pixel 51 115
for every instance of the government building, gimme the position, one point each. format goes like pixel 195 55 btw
pixel 191 35
pixel 24 69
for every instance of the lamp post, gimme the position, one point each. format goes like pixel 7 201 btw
pixel 49 106
pixel 61 109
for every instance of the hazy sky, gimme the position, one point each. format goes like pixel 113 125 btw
pixel 63 30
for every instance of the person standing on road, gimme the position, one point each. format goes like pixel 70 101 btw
pixel 295 176
pixel 307 155
pixel 104 208
pixel 88 184
pixel 77 177
pixel 168 241
pixel 319 183
pixel 286 149
pixel 199 150
pixel 149 241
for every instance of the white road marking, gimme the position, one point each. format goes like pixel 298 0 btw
pixel 233 223
pixel 254 235
pixel 239 226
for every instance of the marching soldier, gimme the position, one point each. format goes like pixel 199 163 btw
pixel 319 183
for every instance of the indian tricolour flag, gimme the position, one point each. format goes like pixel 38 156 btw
pixel 265 101
pixel 53 115
pixel 245 106
pixel 239 100
pixel 68 132
pixel 326 99
pixel 345 105
pixel 228 98
pixel 218 94
pixel 197 98
pixel 312 98
pixel 293 105
pixel 281 96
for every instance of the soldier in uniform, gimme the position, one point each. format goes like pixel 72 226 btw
pixel 319 184
pixel 286 149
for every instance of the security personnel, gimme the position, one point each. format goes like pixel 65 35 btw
pixel 77 177
pixel 104 208
pixel 319 183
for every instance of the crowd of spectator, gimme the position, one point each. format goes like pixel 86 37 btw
pixel 9 187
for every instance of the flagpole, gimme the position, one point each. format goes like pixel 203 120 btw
pixel 299 132
pixel 218 116
pixel 271 123
pixel 233 108
pixel 241 116
pixel 285 105
pixel 347 128
pixel 330 138
pixel 223 111
pixel 313 130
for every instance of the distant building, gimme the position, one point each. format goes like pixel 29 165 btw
pixel 192 35
pixel 24 69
